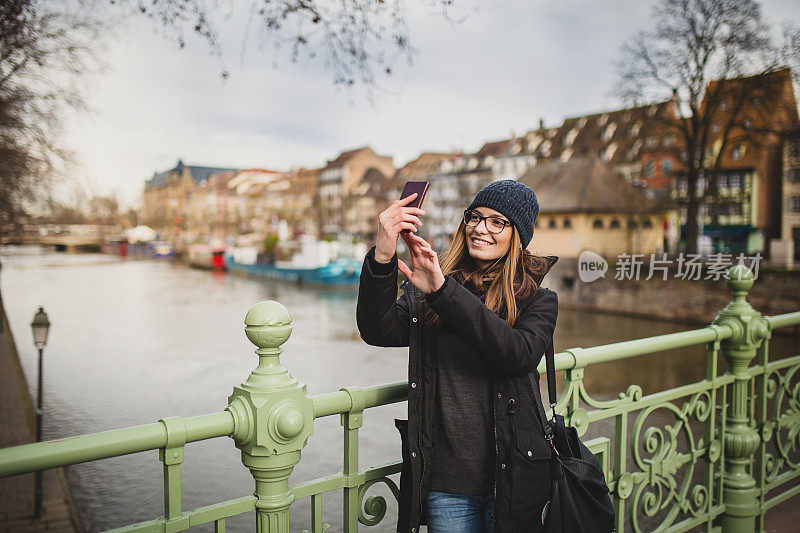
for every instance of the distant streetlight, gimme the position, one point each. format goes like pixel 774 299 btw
pixel 40 327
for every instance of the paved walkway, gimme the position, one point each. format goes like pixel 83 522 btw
pixel 17 426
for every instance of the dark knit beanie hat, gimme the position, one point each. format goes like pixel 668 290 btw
pixel 515 201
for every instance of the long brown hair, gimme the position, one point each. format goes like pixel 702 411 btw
pixel 512 277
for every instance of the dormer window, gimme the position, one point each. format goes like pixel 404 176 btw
pixel 633 131
pixel 602 120
pixel 609 132
pixel 569 138
pixel 723 105
pixel 738 152
pixel 610 151
pixel 747 123
pixel 473 163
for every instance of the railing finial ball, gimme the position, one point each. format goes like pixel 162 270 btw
pixel 740 278
pixel 268 324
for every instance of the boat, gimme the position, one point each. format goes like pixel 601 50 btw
pixel 342 271
pixel 314 262
pixel 206 256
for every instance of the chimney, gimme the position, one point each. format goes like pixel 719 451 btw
pixel 541 123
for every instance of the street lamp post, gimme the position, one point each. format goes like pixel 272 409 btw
pixel 40 327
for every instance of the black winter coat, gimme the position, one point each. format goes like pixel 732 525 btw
pixel 522 475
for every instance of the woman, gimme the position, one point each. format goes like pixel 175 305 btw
pixel 474 455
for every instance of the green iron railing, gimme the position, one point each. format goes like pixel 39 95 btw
pixel 714 455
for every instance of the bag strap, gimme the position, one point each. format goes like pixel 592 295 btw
pixel 550 363
pixel 547 425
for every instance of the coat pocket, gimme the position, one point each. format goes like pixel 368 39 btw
pixel 530 481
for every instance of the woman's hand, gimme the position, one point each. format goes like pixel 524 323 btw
pixel 425 274
pixel 391 222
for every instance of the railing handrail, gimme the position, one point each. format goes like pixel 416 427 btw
pixel 105 444
pixel 117 442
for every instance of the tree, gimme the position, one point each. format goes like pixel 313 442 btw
pixel 693 47
pixel 43 54
pixel 356 39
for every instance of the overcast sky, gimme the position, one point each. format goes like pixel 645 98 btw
pixel 505 66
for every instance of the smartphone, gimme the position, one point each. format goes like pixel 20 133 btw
pixel 411 187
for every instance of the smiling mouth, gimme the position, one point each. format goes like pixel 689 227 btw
pixel 479 242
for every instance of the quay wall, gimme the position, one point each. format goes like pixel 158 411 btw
pixel 694 302
pixel 17 426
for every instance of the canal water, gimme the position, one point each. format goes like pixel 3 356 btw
pixel 134 341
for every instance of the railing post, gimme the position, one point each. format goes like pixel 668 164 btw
pixel 741 438
pixel 273 417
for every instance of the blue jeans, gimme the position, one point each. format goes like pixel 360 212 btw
pixel 459 513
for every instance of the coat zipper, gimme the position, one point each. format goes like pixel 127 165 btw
pixel 496 451
pixel 412 308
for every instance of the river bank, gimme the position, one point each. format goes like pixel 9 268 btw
pixel 693 302
pixel 17 426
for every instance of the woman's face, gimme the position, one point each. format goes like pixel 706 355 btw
pixel 486 247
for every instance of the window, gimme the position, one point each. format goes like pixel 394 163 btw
pixel 614 224
pixel 647 224
pixel 735 209
pixel 684 155
pixel 651 141
pixel 552 224
pixel 756 100
pixel 715 127
pixel 723 105
pixel 666 166
pixel 633 131
pixel 794 204
pixel 649 169
pixel 738 152
pixel 567 223
pixel 609 132
pixel 669 140
pixel 747 123
pixel 570 136
pixel 597 224
pixel 794 175
pixel 735 181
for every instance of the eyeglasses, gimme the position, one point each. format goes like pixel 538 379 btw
pixel 493 224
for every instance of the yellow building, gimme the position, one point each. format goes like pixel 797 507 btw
pixel 585 204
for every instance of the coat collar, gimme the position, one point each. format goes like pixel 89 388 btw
pixel 551 260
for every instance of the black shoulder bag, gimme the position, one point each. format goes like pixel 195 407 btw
pixel 579 500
